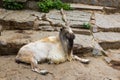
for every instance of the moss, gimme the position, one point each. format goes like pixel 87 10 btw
pixel 46 5
pixel 12 5
pixel 86 25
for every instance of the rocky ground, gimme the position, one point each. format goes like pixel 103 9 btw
pixel 102 48
pixel 96 70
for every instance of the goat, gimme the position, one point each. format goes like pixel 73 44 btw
pixel 54 49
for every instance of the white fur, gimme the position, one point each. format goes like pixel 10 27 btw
pixel 45 50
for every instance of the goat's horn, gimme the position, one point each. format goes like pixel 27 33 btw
pixel 64 17
pixel 44 18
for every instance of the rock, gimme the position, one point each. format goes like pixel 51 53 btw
pixel 1 2
pixel 92 22
pixel 113 3
pixel 114 58
pixel 81 31
pixel 108 40
pixel 86 7
pixel 107 59
pixel 75 18
pixel 74 70
pixel 84 40
pixel 12 40
pixel 32 5
pixel 96 52
pixel 106 3
pixel 109 10
pixel 48 28
pixel 115 62
pixel 24 20
pixel 95 29
pixel 17 19
pixel 86 45
pixel 108 23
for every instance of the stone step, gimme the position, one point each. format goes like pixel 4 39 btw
pixel 78 6
pixel 24 20
pixel 108 40
pixel 86 7
pixel 112 3
pixel 113 58
pixel 12 40
pixel 75 30
pixel 108 23
pixel 81 31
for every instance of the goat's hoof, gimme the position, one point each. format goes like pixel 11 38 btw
pixel 85 61
pixel 43 72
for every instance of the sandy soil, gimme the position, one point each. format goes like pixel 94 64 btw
pixel 97 69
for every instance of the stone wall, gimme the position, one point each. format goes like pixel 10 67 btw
pixel 0 3
pixel 31 4
pixel 112 3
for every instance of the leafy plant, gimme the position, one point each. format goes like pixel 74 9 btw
pixel 86 25
pixel 46 5
pixel 12 5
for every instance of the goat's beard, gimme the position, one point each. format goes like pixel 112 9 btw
pixel 67 42
pixel 70 41
pixel 68 47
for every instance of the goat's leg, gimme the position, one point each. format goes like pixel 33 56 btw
pixel 36 69
pixel 81 59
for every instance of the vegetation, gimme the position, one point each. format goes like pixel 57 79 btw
pixel 86 25
pixel 46 5
pixel 12 5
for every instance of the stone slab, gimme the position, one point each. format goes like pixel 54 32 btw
pixel 113 57
pixel 112 3
pixel 81 31
pixel 11 41
pixel 75 18
pixel 108 40
pixel 108 23
pixel 86 7
pixel 107 36
pixel 23 19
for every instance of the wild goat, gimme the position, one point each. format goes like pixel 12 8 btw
pixel 54 49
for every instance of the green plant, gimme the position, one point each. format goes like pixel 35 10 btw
pixel 86 25
pixel 12 5
pixel 58 4
pixel 46 5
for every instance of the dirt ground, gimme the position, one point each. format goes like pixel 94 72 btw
pixel 97 69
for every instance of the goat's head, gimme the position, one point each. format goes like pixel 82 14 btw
pixel 67 39
pixel 67 32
